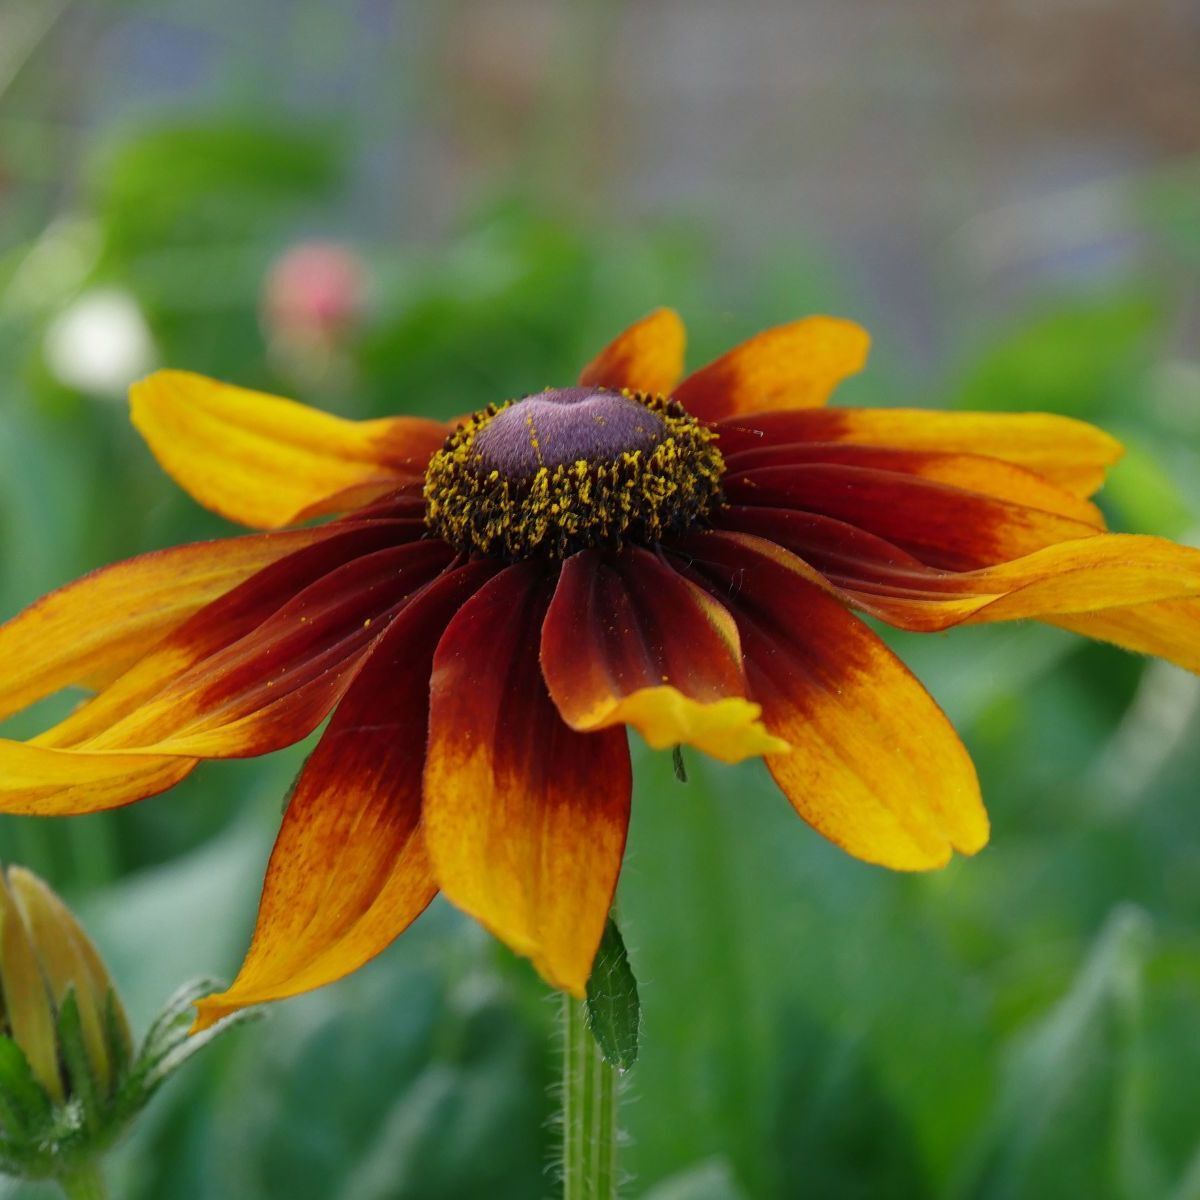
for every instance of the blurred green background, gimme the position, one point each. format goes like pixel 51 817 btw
pixel 392 206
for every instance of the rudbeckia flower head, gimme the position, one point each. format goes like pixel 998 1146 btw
pixel 496 600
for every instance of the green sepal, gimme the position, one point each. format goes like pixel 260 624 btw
pixel 613 1009
pixel 168 1045
pixel 117 1035
pixel 24 1106
pixel 82 1084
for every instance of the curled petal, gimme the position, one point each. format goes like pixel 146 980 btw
pixel 943 526
pixel 1167 629
pixel 1086 577
pixel 970 472
pixel 1067 452
pixel 790 366
pixel 647 357
pixel 349 871
pixel 525 819
pixel 628 640
pixel 277 683
pixel 225 621
pixel 246 692
pixel 1142 593
pixel 874 764
pixel 46 781
pixel 93 629
pixel 266 462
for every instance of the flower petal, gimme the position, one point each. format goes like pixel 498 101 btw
pixel 1070 453
pixel 874 765
pixel 790 366
pixel 46 781
pixel 945 527
pixel 226 620
pixel 273 686
pixel 1075 579
pixel 267 462
pixel 245 692
pixel 970 472
pixel 647 357
pixel 349 871
pixel 628 640
pixel 525 819
pixel 93 629
pixel 1142 593
pixel 1167 629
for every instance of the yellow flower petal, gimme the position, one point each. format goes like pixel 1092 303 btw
pixel 647 357
pixel 1070 453
pixel 524 818
pixel 628 640
pixel 91 630
pixel 349 871
pixel 268 462
pixel 791 366
pixel 874 765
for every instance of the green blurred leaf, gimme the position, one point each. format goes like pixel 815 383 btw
pixel 613 1012
pixel 708 1181
pixel 1075 357
pixel 1067 1120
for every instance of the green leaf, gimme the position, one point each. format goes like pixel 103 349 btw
pixel 1073 1082
pixel 613 1010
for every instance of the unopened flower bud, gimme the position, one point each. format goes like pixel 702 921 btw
pixel 70 1082
pixel 51 975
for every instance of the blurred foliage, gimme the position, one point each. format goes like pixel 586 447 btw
pixel 1020 1025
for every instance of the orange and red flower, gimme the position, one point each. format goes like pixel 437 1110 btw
pixel 506 595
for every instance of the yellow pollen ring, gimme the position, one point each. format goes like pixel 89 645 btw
pixel 640 495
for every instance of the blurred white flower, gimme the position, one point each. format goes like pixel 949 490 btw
pixel 100 343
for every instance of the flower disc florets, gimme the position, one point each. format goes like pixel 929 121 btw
pixel 570 468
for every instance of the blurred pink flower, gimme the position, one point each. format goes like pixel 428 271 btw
pixel 313 295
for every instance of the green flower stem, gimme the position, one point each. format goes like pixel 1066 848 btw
pixel 589 1099
pixel 85 1184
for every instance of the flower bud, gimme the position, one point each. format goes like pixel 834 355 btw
pixel 49 967
pixel 70 1082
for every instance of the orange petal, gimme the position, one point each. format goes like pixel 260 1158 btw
pixel 245 692
pixel 349 871
pixel 525 819
pixel 1087 577
pixel 1070 453
pixel 93 629
pixel 791 366
pixel 874 765
pixel 970 472
pixel 628 640
pixel 226 621
pixel 1167 629
pixel 943 526
pixel 49 782
pixel 647 357
pixel 1142 593
pixel 267 462
pixel 273 686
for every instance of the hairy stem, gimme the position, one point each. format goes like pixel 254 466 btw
pixel 589 1099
